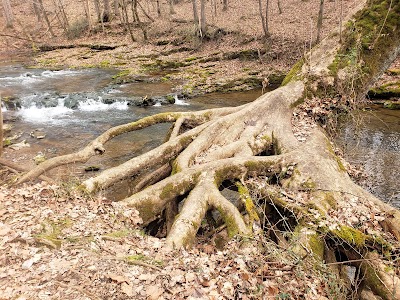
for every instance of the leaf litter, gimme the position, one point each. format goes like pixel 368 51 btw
pixel 58 244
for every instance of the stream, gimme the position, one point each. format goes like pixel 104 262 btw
pixel 71 107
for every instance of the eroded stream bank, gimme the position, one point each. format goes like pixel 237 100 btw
pixel 71 107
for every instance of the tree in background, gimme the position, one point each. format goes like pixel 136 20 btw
pixel 264 19
pixel 319 22
pixel 8 13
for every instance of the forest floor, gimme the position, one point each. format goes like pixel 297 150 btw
pixel 58 244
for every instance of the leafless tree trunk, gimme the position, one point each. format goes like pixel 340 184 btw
pixel 98 10
pixel 280 7
pixel 107 11
pixel 125 19
pixel 61 15
pixel 8 13
pixel 116 9
pixel 340 21
pixel 195 17
pixel 319 22
pixel 264 19
pixel 87 14
pixel 225 5
pixel 1 128
pixel 36 9
pixel 203 23
pixel 171 7
pixel 158 8
pixel 46 18
pixel 136 17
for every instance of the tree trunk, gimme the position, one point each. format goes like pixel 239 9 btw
pixel 46 18
pixel 203 24
pixel 125 19
pixel 8 13
pixel 195 17
pixel 98 9
pixel 280 7
pixel 319 22
pixel 171 7
pixel 107 11
pixel 36 9
pixel 225 5
pixel 1 127
pixel 264 19
pixel 302 185
pixel 158 8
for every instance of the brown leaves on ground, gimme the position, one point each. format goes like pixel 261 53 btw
pixel 56 244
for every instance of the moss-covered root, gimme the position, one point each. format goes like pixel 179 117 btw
pixel 188 221
pixel 204 196
pixel 380 277
pixel 308 243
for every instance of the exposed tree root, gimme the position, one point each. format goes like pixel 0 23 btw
pixel 303 194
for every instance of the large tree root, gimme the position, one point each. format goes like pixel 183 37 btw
pixel 300 191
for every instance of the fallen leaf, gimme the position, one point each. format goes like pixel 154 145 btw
pixel 154 292
pixel 127 289
pixel 117 278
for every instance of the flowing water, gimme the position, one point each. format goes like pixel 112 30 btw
pixel 71 107
pixel 371 139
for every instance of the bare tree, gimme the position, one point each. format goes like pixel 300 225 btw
pixel 203 23
pixel 319 21
pixel 195 17
pixel 107 11
pixel 8 13
pixel 225 5
pixel 125 19
pixel 36 9
pixel 171 7
pixel 61 15
pixel 1 128
pixel 46 18
pixel 264 19
pixel 98 9
pixel 116 9
pixel 280 7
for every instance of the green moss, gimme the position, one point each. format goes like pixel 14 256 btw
pixel 317 245
pixel 350 235
pixel 248 203
pixel 189 59
pixel 230 223
pixel 368 41
pixel 51 231
pixel 386 91
pixel 371 277
pixel 170 99
pixel 294 73
pixel 121 74
pixel 330 199
pixel 119 234
pixel 391 105
pixel 308 184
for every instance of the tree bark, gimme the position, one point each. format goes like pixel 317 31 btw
pixel 264 19
pixel 203 24
pixel 46 18
pixel 195 17
pixel 302 184
pixel 225 5
pixel 8 13
pixel 319 22
pixel 1 128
